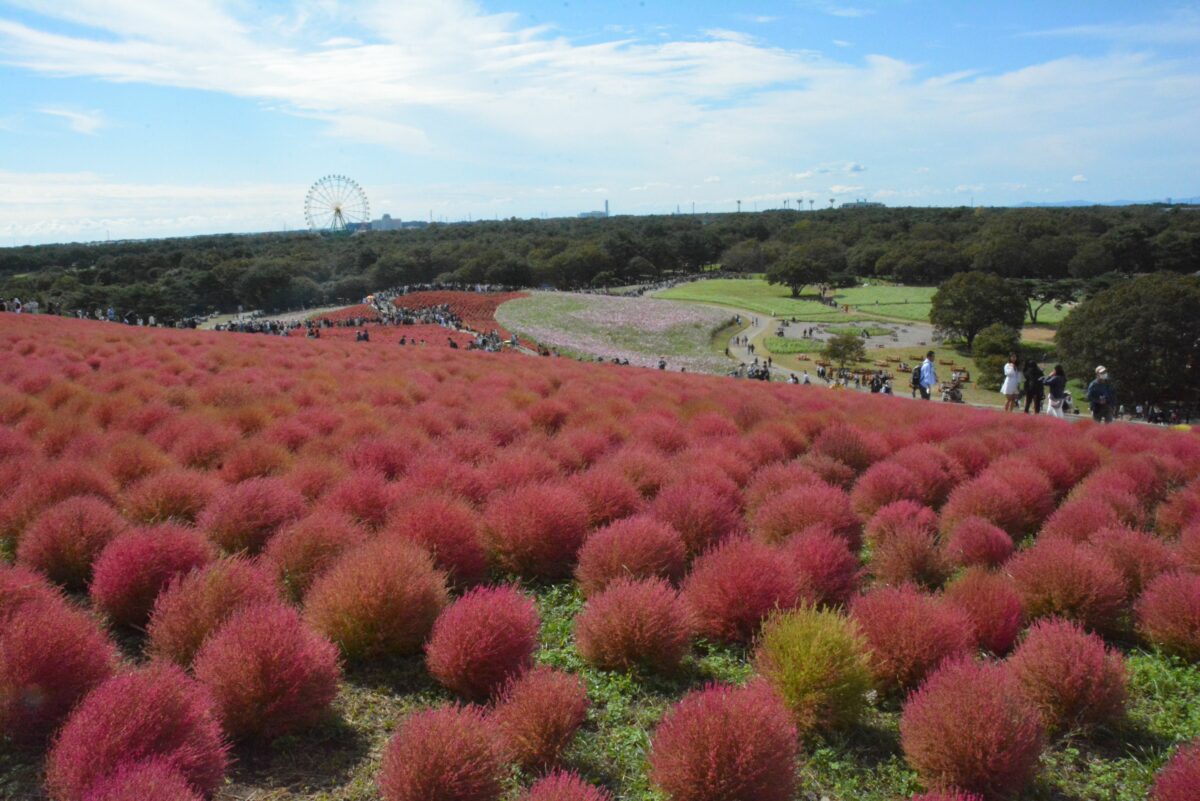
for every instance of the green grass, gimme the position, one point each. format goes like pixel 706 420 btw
pixel 779 345
pixel 856 330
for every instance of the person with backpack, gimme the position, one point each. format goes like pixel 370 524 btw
pixel 928 376
pixel 1102 397
pixel 915 381
pixel 1034 388
pixel 1056 383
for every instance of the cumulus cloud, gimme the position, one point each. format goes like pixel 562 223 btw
pixel 1079 179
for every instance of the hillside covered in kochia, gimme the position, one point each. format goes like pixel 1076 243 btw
pixel 174 278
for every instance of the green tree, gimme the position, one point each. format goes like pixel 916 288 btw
pixel 844 349
pixel 1146 331
pixel 808 263
pixel 969 302
pixel 1039 294
pixel 748 256
pixel 992 348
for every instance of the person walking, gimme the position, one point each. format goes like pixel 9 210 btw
pixel 1102 397
pixel 1010 388
pixel 1035 390
pixel 929 377
pixel 1056 383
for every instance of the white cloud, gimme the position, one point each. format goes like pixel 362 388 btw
pixel 84 122
pixel 842 189
pixel 842 43
pixel 1183 28
pixel 1079 179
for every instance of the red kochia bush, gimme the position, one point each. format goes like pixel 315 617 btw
pixel 1140 557
pixel 50 656
pixel 135 567
pixel 1058 577
pixel 936 473
pixel 853 447
pixel 609 495
pixel 1168 614
pixel 733 588
pixel 482 640
pixel 632 623
pixel 993 605
pixel 897 516
pixel 909 554
pixel 975 541
pixel 146 780
pixel 884 483
pixel 1179 778
pixel 1070 676
pixel 725 743
pixel 536 531
pixel 65 540
pixel 561 786
pixel 448 529
pixel 538 714
pixel 775 479
pixel 1188 548
pixel 195 605
pixel 909 634
pixel 637 547
pixel 446 754
pixel 308 547
pixel 829 573
pixel 379 599
pixel 19 586
pixel 1078 518
pixel 968 727
pixel 365 496
pixel 269 673
pixel 155 712
pixel 244 516
pixel 178 495
pixel 807 505
pixel 701 514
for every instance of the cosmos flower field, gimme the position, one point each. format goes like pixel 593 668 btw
pixel 238 566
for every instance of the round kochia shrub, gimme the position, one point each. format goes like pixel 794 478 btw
pixel 146 780
pixel 725 743
pixel 446 754
pixel 909 634
pixel 993 605
pixel 817 661
pixel 51 655
pixel 135 567
pixel 909 555
pixel 1070 676
pixel 536 531
pixel 637 547
pixel 538 714
pixel 482 640
pixel 195 605
pixel 884 483
pixel 1168 614
pixel 243 517
pixel 172 495
pixel 1140 557
pixel 829 572
pixel 64 540
pixel 448 529
pixel 975 541
pixel 269 673
pixel 561 786
pixel 378 600
pixel 1179 778
pixel 899 517
pixel 807 505
pixel 155 712
pixel 1059 577
pixel 703 515
pixel 609 495
pixel 968 727
pixel 19 586
pixel 733 588
pixel 634 623
pixel 308 547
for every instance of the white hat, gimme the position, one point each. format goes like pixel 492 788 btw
pixel 1101 370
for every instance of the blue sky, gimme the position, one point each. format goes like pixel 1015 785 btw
pixel 141 118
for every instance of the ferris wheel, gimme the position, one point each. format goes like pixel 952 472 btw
pixel 336 203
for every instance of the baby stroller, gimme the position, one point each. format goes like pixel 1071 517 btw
pixel 952 392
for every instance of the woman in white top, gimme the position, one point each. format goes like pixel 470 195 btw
pixel 1010 389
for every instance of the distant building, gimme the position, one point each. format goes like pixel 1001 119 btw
pixel 594 215
pixel 862 204
pixel 387 223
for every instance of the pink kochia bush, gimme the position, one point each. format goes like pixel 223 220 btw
pixel 269 673
pixel 243 517
pixel 1140 557
pixel 536 531
pixel 701 514
pixel 884 483
pixel 829 572
pixel 65 540
pixel 538 714
pixel 968 727
pixel 1179 778
pixel 482 640
pixel 172 495
pixel 725 743
pixel 135 567
pixel 449 530
pixel 634 623
pixel 993 605
pixel 560 786
pixel 1070 676
pixel 195 605
pixel 378 600
pixel 51 655
pixel 19 586
pixel 636 547
pixel 909 634
pixel 308 547
pixel 807 505
pixel 146 780
pixel 733 588
pixel 975 541
pixel 1059 577
pixel 1168 614
pixel 155 712
pixel 450 753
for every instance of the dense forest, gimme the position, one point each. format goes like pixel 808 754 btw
pixel 175 278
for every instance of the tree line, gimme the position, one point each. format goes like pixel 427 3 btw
pixel 1062 250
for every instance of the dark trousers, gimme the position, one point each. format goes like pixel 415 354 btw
pixel 1034 399
pixel 924 393
pixel 1102 412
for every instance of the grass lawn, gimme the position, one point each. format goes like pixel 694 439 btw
pixel 780 345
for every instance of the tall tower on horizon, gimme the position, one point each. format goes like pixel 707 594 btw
pixel 606 207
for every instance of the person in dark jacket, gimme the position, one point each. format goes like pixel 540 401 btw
pixel 1102 397
pixel 1056 383
pixel 1034 389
